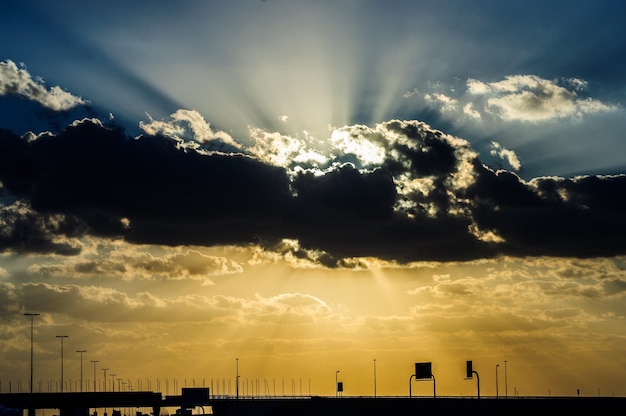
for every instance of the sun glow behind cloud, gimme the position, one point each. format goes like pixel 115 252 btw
pixel 315 69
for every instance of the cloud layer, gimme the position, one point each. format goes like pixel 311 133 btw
pixel 415 194
pixel 398 190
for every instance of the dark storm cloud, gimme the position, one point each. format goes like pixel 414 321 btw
pixel 171 196
pixel 95 180
pixel 552 216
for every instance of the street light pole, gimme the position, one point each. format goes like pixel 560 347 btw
pixel 374 377
pixel 94 374
pixel 337 383
pixel 62 337
pixel 32 315
pixel 81 368
pixel 237 377
pixel 506 386
pixel 497 365
pixel 105 378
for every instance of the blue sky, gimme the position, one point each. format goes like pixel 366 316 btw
pixel 304 182
pixel 247 63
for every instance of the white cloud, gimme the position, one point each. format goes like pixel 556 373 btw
pixel 531 98
pixel 358 143
pixel 468 109
pixel 447 103
pixel 15 81
pixel 527 98
pixel 508 155
pixel 520 110
pixel 189 126
pixel 577 84
pixel 275 148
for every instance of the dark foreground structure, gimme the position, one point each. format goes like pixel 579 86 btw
pixel 394 406
pixel 80 404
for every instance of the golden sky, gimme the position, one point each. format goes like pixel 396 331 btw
pixel 189 314
pixel 309 192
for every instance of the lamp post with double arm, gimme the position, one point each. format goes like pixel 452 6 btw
pixel 94 374
pixel 81 368
pixel 62 337
pixel 31 315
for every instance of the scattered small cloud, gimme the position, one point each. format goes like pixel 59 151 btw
pixel 533 99
pixel 525 98
pixel 507 155
pixel 468 109
pixel 18 81
pixel 446 103
pixel 189 127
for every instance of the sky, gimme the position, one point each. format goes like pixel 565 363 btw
pixel 304 192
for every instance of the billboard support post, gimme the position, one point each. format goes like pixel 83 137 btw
pixel 469 371
pixel 424 371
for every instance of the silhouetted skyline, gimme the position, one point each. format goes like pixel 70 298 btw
pixel 310 187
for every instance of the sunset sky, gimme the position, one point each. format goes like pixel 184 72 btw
pixel 296 188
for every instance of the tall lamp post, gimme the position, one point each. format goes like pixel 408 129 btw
pixel 497 365
pixel 81 368
pixel 374 377
pixel 94 373
pixel 236 378
pixel 105 378
pixel 506 386
pixel 62 337
pixel 32 315
pixel 337 383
